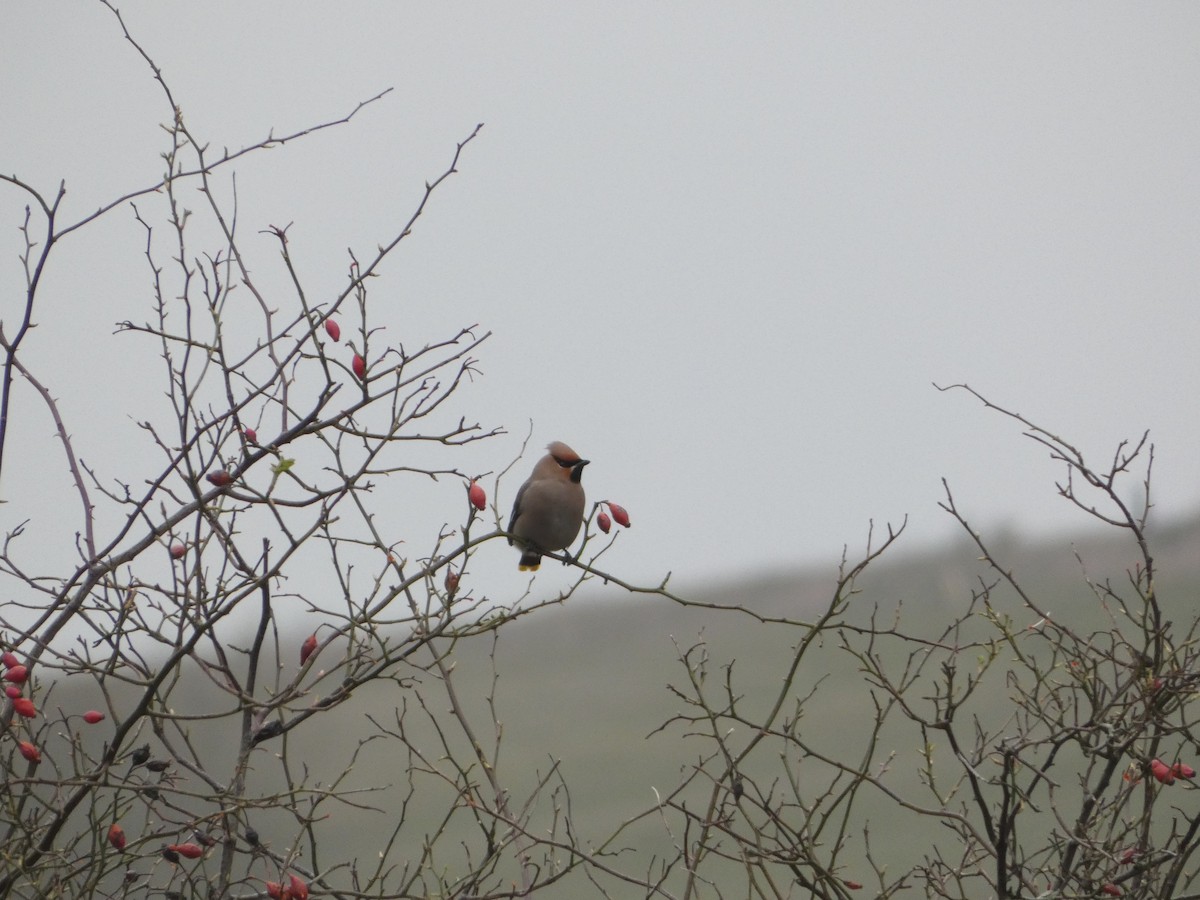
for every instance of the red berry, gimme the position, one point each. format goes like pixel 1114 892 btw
pixel 1111 889
pixel 1182 770
pixel 274 890
pixel 308 647
pixel 116 836
pixel 178 550
pixel 604 522
pixel 17 674
pixel 93 716
pixel 451 581
pixel 251 435
pixel 12 691
pixel 30 752
pixel 220 478
pixel 359 365
pixel 24 706
pixel 853 885
pixel 620 516
pixel 190 850
pixel 333 330
pixel 477 496
pixel 9 659
pixel 297 888
pixel 1162 772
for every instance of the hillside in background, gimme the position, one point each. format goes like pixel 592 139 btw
pixel 589 687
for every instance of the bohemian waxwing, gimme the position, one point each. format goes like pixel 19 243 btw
pixel 549 506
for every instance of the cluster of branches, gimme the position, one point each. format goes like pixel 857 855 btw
pixel 155 729
pixel 1055 746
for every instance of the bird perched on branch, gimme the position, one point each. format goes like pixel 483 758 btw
pixel 549 507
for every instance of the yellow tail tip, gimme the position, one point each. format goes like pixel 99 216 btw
pixel 533 568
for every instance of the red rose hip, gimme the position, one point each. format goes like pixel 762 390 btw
pixel 620 516
pixel 220 478
pixel 308 647
pixel 188 850
pixel 297 888
pixel 24 707
pixel 477 496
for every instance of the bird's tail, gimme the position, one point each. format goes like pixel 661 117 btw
pixel 530 561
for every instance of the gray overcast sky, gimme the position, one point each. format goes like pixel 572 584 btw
pixel 724 249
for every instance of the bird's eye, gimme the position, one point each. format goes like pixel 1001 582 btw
pixel 565 463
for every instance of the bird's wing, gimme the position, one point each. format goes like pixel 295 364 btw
pixel 516 512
